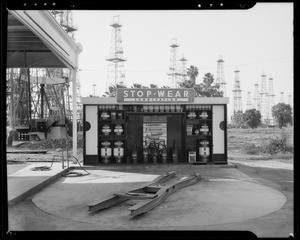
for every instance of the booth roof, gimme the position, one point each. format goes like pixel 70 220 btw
pixel 113 100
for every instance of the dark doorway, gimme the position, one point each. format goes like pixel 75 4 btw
pixel 134 135
pixel 174 135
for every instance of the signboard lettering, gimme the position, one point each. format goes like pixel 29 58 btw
pixel 130 95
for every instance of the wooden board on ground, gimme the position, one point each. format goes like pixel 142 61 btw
pixel 151 194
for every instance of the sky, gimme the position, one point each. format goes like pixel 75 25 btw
pixel 255 41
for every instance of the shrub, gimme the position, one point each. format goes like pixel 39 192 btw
pixel 278 145
pixel 252 149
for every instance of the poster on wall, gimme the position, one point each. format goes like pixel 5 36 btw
pixel 155 129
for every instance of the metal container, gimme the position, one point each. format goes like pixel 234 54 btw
pixel 189 130
pixel 178 108
pixel 118 130
pixel 191 115
pixel 119 151
pixel 105 151
pixel 203 115
pixel 113 115
pixel 106 130
pixel 204 151
pixel 104 115
pixel 204 129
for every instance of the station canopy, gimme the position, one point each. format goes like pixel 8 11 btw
pixel 36 40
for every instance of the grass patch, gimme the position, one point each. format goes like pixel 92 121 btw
pixel 252 149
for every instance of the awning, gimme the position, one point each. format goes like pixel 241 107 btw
pixel 36 40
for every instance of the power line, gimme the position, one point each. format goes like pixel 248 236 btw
pixel 200 68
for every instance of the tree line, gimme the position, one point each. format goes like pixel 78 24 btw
pixel 251 118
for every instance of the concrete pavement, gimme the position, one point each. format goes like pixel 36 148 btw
pixel 223 197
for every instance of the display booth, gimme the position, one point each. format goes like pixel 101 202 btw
pixel 155 126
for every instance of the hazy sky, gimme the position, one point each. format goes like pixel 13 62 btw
pixel 256 41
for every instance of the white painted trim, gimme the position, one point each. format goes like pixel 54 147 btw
pixel 74 102
pixel 218 133
pixel 44 26
pixel 91 136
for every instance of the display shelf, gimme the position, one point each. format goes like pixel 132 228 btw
pixel 199 136
pixel 118 118
pixel 155 113
pixel 197 121
pixel 115 121
pixel 111 137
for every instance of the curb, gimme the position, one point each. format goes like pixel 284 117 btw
pixel 36 188
pixel 52 179
pixel 143 166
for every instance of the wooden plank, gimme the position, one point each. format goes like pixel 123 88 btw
pixel 111 201
pixel 163 193
pixel 28 151
pixel 107 203
pixel 135 195
pixel 159 180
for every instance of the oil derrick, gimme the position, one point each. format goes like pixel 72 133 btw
pixel 65 19
pixel 271 97
pixel 18 97
pixel 55 93
pixel 256 98
pixel 249 101
pixel 220 76
pixel 237 97
pixel 116 72
pixel 263 98
pixel 183 68
pixel 290 102
pixel 281 97
pixel 174 74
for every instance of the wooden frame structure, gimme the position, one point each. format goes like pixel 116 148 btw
pixel 152 194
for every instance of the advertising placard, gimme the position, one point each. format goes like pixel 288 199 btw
pixel 167 95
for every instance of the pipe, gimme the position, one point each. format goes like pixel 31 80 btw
pixel 74 102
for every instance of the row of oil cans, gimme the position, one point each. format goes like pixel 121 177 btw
pixel 162 108
pixel 113 115
pixel 111 107
pixel 117 130
pixel 107 151
pixel 201 115
pixel 195 130
pixel 198 107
